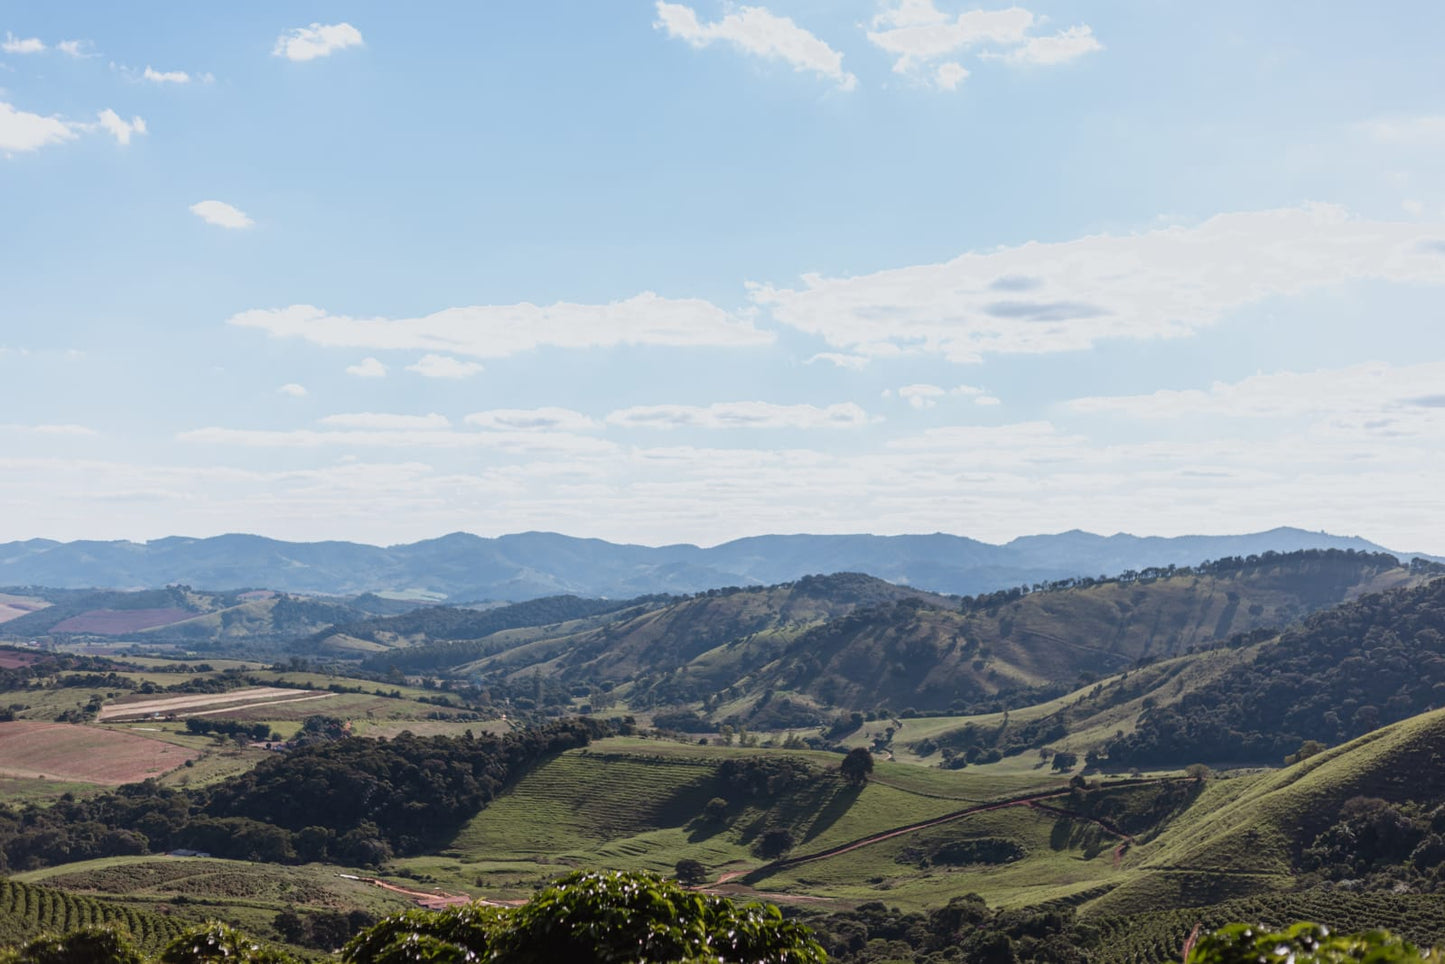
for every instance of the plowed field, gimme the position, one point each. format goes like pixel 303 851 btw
pixel 85 754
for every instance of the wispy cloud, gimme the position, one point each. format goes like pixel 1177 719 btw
pixel 444 366
pixel 166 76
pixel 1067 296
pixel 387 421
pixel 221 214
pixel 21 45
pixel 293 389
pixel 317 40
pixel 498 331
pixel 732 415
pixel 926 41
pixel 757 31
pixel 74 48
pixel 367 368
pixel 546 419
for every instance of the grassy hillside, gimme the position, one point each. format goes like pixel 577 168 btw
pixel 845 642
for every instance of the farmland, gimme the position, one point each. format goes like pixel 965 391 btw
pixel 84 754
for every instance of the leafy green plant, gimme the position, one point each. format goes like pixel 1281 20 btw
pixel 593 916
pixel 1303 944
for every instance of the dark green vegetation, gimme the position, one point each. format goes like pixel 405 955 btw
pixel 352 800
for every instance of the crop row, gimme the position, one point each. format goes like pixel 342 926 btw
pixel 26 910
pixel 1153 937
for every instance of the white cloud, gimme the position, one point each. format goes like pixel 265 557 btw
pixel 17 45
pixel 23 131
pixel 546 443
pixel 317 40
pixel 921 396
pixel 547 419
pixel 1066 296
pixel 444 366
pixel 388 422
pixel 497 331
pixel 73 48
pixel 367 368
pixel 119 128
pixel 1373 399
pixel 221 214
pixel 987 400
pixel 1062 47
pixel 840 360
pixel 293 389
pixel 166 77
pixel 70 430
pixel 761 33
pixel 919 35
pixel 949 75
pixel 740 415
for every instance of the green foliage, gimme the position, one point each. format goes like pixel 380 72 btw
pixel 352 800
pixel 219 942
pixel 88 945
pixel 590 916
pixel 856 766
pixel 1303 944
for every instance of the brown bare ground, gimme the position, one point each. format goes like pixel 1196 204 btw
pixel 108 622
pixel 85 754
pixel 13 660
pixel 13 607
pixel 192 705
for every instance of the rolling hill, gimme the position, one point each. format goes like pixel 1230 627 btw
pixel 852 642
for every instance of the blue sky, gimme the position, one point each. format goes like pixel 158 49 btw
pixel 664 272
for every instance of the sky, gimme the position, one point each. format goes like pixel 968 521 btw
pixel 664 272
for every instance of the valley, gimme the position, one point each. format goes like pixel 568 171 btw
pixel 1100 763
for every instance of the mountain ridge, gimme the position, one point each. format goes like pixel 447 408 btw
pixel 461 566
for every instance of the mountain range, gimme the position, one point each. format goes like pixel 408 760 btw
pixel 461 567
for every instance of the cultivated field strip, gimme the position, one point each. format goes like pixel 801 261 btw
pixel 26 911
pixel 205 704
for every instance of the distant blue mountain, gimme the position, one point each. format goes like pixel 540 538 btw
pixel 464 567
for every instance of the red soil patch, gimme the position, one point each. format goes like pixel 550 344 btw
pixel 86 754
pixel 109 622
pixel 13 660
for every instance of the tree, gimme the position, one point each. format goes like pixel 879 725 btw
pixel 1065 760
pixel 856 766
pixel 716 810
pixel 690 871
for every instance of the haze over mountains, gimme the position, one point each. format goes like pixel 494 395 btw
pixel 462 567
